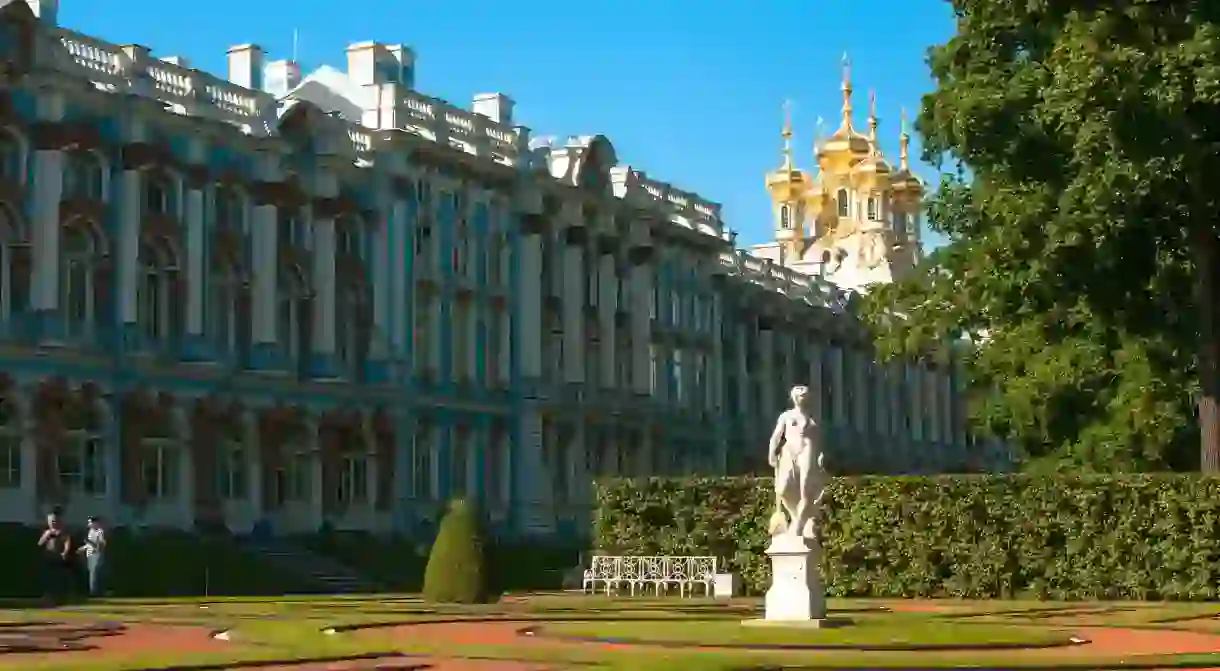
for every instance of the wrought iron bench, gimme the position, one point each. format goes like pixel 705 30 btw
pixel 611 573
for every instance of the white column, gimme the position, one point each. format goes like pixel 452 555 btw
pixel 716 368
pixel 945 382
pixel 741 354
pixel 436 323
pixel 860 363
pixel 48 191
pixel 263 247
pixel 533 488
pixel 130 204
pixel 880 396
pixel 607 297
pixel 529 313
pixel 186 474
pixel 641 325
pixel 931 401
pixel 29 453
pixel 324 286
pixel 894 398
pixel 474 315
pixel 573 311
pixel 194 261
pixel 316 496
pixel 766 354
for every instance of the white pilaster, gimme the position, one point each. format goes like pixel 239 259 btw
pixel 473 324
pixel 47 188
pixel 254 461
pixel 534 491
pixel 945 384
pixel 194 262
pixel 932 402
pixel 530 306
pixel 814 348
pixel 741 354
pixel 316 494
pixel 641 326
pixel 48 191
pixel 436 323
pixel 324 286
pixel 716 367
pixel 860 365
pixel 263 247
pixel 573 313
pixel 607 303
pixel 382 286
pixel 130 203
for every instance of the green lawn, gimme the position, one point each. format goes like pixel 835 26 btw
pixel 881 631
pixel 291 629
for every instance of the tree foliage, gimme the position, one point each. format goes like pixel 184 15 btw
pixel 1088 132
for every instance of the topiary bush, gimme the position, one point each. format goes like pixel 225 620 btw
pixel 987 536
pixel 455 571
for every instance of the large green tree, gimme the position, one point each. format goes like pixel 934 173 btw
pixel 1083 240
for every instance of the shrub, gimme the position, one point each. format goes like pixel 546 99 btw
pixel 1055 537
pixel 455 572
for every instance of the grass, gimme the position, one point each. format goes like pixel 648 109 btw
pixel 290 629
pixel 888 630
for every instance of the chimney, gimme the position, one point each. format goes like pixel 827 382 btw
pixel 282 77
pixel 47 11
pixel 495 106
pixel 246 66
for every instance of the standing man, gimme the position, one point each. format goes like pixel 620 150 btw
pixel 56 544
pixel 95 555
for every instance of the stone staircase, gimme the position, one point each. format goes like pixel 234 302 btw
pixel 331 576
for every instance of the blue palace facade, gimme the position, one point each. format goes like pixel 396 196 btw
pixel 284 300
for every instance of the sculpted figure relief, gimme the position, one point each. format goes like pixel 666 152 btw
pixel 800 478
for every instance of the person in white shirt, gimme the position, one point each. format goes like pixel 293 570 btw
pixel 95 554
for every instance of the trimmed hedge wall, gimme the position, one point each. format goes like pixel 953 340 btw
pixel 1087 537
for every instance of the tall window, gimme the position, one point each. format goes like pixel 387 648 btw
pixel 496 469
pixel 224 294
pixel 423 249
pixel 900 225
pixel 158 194
pixel 353 480
pixel 159 468
pixel 423 334
pixel 158 304
pixel 11 435
pixel 785 217
pixel 83 176
pixel 351 329
pixel 459 458
pixel 78 295
pixel 231 470
pixel 494 350
pixel 842 203
pixel 461 325
pixel 14 267
pixel 872 209
pixel 294 479
pixel 291 326
pixel 81 465
pixel 12 156
pixel 423 464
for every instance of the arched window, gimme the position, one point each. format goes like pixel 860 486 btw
pixel 84 176
pixel 423 464
pixel 158 194
pixel 872 208
pixel 785 217
pixel 293 292
pixel 157 307
pixel 232 470
pixel 81 256
pixel 900 225
pixel 14 267
pixel 230 210
pixel 224 296
pixel 80 463
pixel 843 205
pixel 12 156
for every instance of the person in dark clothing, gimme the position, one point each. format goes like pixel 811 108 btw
pixel 56 544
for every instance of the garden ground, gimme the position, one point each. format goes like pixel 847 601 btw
pixel 536 632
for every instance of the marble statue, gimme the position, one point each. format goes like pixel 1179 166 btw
pixel 795 452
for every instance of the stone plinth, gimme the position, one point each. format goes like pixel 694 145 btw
pixel 797 596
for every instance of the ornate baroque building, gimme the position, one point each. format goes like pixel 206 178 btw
pixel 284 300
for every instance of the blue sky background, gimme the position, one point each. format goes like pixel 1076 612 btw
pixel 690 92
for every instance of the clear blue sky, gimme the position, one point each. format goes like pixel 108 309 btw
pixel 690 92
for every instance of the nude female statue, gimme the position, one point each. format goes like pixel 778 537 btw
pixel 795 453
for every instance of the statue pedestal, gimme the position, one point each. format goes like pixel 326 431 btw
pixel 797 597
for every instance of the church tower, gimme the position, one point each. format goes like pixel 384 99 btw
pixel 787 186
pixel 855 220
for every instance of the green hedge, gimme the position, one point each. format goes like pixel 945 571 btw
pixel 1089 537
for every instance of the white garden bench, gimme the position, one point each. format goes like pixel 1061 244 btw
pixel 660 573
